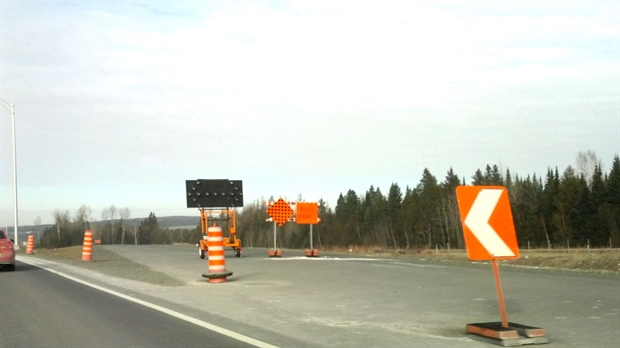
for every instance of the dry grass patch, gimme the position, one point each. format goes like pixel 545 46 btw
pixel 109 263
pixel 602 260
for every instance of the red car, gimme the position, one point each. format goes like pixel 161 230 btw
pixel 7 251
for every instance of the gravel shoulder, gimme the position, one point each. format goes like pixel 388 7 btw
pixel 109 263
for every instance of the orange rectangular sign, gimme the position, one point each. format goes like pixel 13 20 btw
pixel 307 213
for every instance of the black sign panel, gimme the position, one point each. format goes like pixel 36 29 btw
pixel 203 193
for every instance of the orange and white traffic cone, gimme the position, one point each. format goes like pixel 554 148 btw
pixel 217 262
pixel 87 249
pixel 30 245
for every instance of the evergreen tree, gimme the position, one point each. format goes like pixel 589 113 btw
pixel 584 214
pixel 613 200
pixel 430 196
pixel 478 179
pixel 600 214
pixel 564 216
pixel 496 176
pixel 149 230
pixel 451 182
pixel 548 199
pixel 347 220
pixel 394 204
pixel 377 214
pixel 394 201
pixel 449 211
pixel 598 189
pixel 613 183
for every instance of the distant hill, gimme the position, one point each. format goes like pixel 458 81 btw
pixel 177 221
pixel 164 222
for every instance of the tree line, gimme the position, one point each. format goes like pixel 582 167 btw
pixel 111 229
pixel 579 207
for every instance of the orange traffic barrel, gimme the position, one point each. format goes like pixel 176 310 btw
pixel 274 253
pixel 217 263
pixel 87 249
pixel 30 245
pixel 312 253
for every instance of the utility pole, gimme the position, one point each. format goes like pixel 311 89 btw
pixel 12 110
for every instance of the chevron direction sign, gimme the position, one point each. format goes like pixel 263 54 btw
pixel 488 226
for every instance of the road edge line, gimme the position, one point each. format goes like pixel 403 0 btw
pixel 187 318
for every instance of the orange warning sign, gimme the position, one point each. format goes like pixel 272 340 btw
pixel 280 211
pixel 488 226
pixel 307 213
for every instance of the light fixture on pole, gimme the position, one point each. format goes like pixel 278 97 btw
pixel 12 110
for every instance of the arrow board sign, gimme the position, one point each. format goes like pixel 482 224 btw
pixel 487 222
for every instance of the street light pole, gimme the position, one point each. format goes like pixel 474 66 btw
pixel 12 109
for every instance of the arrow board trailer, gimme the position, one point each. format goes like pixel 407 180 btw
pixel 229 242
pixel 216 196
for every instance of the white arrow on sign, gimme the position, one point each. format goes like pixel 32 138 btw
pixel 477 221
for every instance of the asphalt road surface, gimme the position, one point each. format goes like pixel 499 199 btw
pixel 332 301
pixel 43 309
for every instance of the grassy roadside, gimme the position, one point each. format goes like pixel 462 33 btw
pixel 106 262
pixel 600 260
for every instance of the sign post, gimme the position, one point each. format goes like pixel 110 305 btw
pixel 280 212
pixel 308 214
pixel 274 236
pixel 490 234
pixel 311 248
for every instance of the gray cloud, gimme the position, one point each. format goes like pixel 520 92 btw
pixel 119 103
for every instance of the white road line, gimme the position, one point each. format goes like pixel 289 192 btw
pixel 215 328
pixel 325 258
pixel 418 265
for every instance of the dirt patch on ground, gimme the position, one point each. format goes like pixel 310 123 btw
pixel 600 260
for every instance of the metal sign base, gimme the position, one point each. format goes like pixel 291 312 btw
pixel 274 253
pixel 513 336
pixel 217 277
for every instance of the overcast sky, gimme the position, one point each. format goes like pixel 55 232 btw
pixel 118 103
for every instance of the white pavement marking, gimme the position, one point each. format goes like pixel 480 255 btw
pixel 187 318
pixel 321 259
pixel 418 265
pixel 478 222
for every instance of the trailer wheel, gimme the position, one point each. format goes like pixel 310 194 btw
pixel 201 252
pixel 237 252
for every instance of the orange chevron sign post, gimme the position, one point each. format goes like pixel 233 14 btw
pixel 490 234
